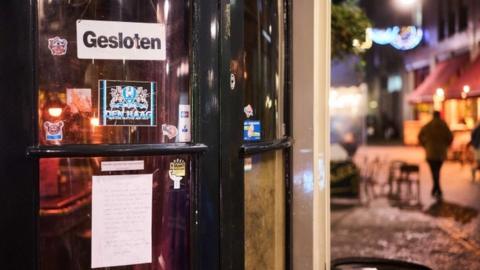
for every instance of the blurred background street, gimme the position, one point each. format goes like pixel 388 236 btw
pixel 440 234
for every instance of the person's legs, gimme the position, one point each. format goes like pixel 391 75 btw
pixel 435 166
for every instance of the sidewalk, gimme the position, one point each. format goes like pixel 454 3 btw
pixel 442 236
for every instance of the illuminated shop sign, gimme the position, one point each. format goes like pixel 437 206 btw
pixel 401 38
pixel 127 103
pixel 120 40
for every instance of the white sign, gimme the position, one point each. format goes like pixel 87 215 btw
pixel 129 165
pixel 120 40
pixel 121 220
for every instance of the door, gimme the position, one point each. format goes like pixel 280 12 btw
pixel 159 137
pixel 266 141
pixel 256 184
pixel 115 159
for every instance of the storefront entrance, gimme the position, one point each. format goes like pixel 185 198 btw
pixel 157 134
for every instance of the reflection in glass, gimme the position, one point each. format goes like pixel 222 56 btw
pixel 69 87
pixel 65 213
pixel 264 65
pixel 265 211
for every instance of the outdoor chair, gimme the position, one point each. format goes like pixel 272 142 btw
pixel 409 177
pixel 393 175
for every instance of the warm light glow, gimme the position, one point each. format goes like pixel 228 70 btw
pixel 94 121
pixel 438 99
pixel 365 45
pixel 405 4
pixel 466 90
pixel 440 92
pixel 55 112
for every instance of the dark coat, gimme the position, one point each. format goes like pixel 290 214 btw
pixel 475 141
pixel 436 137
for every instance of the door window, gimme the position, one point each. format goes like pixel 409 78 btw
pixel 66 216
pixel 97 83
pixel 114 72
pixel 265 211
pixel 264 70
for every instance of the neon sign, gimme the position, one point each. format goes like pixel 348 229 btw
pixel 401 38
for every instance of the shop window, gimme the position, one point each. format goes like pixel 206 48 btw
pixel 93 90
pixel 395 83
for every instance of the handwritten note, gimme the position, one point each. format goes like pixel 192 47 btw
pixel 121 220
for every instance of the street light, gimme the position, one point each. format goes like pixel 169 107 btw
pixel 466 90
pixel 405 4
pixel 438 98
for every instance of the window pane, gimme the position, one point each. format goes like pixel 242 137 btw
pixel 65 218
pixel 264 73
pixel 265 211
pixel 71 90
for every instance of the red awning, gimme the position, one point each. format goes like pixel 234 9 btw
pixel 471 78
pixel 442 76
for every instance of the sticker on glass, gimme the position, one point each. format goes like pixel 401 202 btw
pixel 251 130
pixel 57 46
pixel 248 110
pixel 184 121
pixel 177 171
pixel 79 100
pixel 127 103
pixel 53 130
pixel 170 131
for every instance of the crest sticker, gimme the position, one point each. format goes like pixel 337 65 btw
pixel 53 131
pixel 177 172
pixel 127 103
pixel 57 46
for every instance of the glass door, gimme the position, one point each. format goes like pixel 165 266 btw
pixel 116 166
pixel 266 141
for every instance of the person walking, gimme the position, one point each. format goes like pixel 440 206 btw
pixel 475 144
pixel 436 137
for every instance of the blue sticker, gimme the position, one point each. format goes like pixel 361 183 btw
pixel 251 130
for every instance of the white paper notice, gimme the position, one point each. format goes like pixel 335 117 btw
pixel 121 220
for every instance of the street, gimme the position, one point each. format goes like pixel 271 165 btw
pixel 441 235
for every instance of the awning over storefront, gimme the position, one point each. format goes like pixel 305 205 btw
pixel 442 76
pixel 468 85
